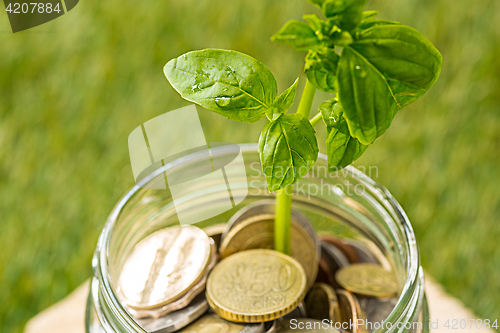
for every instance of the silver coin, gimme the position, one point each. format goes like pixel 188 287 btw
pixel 267 207
pixel 364 254
pixel 332 259
pixel 164 266
pixel 177 319
pixel 270 326
pixel 377 309
pixel 334 253
pixel 184 300
pixel 298 312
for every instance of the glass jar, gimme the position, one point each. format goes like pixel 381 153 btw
pixel 346 203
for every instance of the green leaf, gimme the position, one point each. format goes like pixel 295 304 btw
pixel 288 149
pixel 283 102
pixel 366 97
pixel 317 3
pixel 409 62
pixel 229 83
pixel 350 12
pixel 317 25
pixel 273 113
pixel 341 38
pixel 371 22
pixel 314 21
pixel 387 68
pixel 335 7
pixel 369 14
pixel 342 149
pixel 330 111
pixel 286 99
pixel 321 69
pixel 298 35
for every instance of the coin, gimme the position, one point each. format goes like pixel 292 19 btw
pixel 364 254
pixel 267 207
pixel 377 309
pixel 350 312
pixel 322 303
pixel 298 312
pixel 256 286
pixel 332 259
pixel 270 326
pixel 346 249
pixel 213 323
pixel 368 280
pixel 164 266
pixel 304 325
pixel 181 302
pixel 177 319
pixel 258 233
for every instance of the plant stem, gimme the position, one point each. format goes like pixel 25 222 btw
pixel 316 119
pixel 283 221
pixel 307 99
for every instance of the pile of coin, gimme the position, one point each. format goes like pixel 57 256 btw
pixel 227 278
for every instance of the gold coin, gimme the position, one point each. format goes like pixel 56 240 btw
pixel 350 312
pixel 256 286
pixel 258 233
pixel 305 325
pixel 212 323
pixel 368 280
pixel 267 207
pixel 322 303
pixel 164 266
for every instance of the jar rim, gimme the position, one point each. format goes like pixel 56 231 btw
pixel 100 259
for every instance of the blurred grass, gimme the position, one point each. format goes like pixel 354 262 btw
pixel 73 89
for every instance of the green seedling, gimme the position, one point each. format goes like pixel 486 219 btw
pixel 374 67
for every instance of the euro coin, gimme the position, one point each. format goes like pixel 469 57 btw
pixel 177 319
pixel 350 312
pixel 368 280
pixel 258 233
pixel 256 286
pixel 322 303
pixel 213 323
pixel 305 325
pixel 164 266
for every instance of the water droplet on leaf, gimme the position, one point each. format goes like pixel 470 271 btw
pixel 222 101
pixel 196 87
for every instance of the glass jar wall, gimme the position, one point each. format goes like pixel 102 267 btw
pixel 347 204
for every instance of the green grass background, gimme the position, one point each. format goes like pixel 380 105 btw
pixel 72 90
